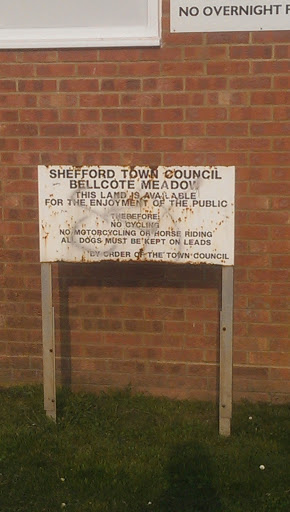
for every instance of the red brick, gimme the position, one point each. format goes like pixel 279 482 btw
pixel 281 290
pixel 248 343
pixel 99 130
pixel 251 82
pixel 9 144
pixel 55 69
pixel 283 114
pixel 44 144
pixel 140 100
pixel 250 113
pixel 80 144
pixel 205 114
pixel 269 218
pixel 269 358
pixel 269 129
pixel 273 247
pixel 143 299
pixel 270 67
pixel 228 68
pixel 182 68
pixel 183 98
pixel 143 326
pixel 24 186
pixel 78 55
pixel 281 52
pixel 254 144
pixel 58 100
pixel 72 115
pixel 252 260
pixel 8 115
pixel 163 115
pixel 37 85
pixel 19 158
pixel 59 130
pixel 99 100
pixel 250 289
pixel 184 129
pixel 162 144
pixel 37 56
pixel 125 54
pixel 227 38
pixel 120 84
pixel 8 56
pixel 187 355
pixel 282 82
pixel 268 188
pixel 98 69
pixel 142 353
pixel 272 275
pixel 164 313
pixel 281 144
pixel 270 98
pixel 16 70
pixel 281 232
pixel 162 54
pixel 121 115
pixel 226 159
pixel 38 115
pixel 280 373
pixel 121 144
pixel 139 69
pixel 200 144
pixel 282 317
pixel 281 203
pixel 105 158
pixel 251 52
pixel 17 100
pixel 7 85
pixel 270 37
pixel 224 98
pixel 205 83
pixel 228 129
pixel 79 85
pixel 139 130
pixel 163 84
pixel 184 158
pixel 216 52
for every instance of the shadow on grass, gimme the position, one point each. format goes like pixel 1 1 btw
pixel 190 481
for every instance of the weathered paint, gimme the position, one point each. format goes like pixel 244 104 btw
pixel 172 214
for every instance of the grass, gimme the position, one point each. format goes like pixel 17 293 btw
pixel 119 452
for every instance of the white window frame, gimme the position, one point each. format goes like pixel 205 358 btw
pixel 85 37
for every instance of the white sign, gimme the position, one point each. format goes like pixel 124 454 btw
pixel 228 15
pixel 170 214
pixel 79 23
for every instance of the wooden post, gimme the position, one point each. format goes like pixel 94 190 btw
pixel 48 339
pixel 226 352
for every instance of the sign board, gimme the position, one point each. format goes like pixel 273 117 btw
pixel 79 23
pixel 228 15
pixel 170 214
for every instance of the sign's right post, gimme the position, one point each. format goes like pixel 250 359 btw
pixel 226 352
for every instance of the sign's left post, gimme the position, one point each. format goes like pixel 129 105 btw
pixel 48 339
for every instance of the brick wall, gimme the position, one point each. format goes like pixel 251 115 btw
pixel 204 99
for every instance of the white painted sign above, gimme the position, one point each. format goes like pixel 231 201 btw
pixel 228 15
pixel 171 214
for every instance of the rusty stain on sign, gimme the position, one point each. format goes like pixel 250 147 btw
pixel 172 214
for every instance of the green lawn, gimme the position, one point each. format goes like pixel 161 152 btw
pixel 120 452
